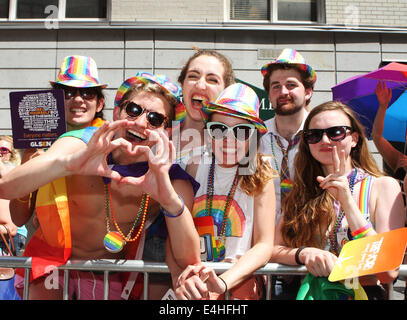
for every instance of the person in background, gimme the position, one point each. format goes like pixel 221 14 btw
pixel 289 82
pixel 84 103
pixel 395 159
pixel 9 159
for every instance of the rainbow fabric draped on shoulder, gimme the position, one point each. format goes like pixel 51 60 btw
pixel 51 244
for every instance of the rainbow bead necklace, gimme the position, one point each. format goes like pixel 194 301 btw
pixel 115 241
pixel 229 198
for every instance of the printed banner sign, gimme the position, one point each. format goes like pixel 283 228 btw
pixel 37 117
pixel 370 255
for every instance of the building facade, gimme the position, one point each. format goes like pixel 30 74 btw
pixel 339 39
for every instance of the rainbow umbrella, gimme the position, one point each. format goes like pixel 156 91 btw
pixel 359 92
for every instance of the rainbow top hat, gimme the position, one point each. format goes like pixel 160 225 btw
pixel 163 81
pixel 78 71
pixel 291 56
pixel 237 100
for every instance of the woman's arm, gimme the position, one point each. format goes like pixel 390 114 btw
pixel 318 262
pixel 388 212
pixel 183 236
pixel 263 239
pixel 390 154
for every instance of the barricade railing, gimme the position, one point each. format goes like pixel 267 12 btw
pixel 108 265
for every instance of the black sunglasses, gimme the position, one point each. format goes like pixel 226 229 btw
pixel 241 132
pixel 337 133
pixel 85 93
pixel 154 118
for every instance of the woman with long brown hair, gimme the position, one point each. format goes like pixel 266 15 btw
pixel 324 211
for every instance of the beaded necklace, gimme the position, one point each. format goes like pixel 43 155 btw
pixel 229 198
pixel 115 241
pixel 333 243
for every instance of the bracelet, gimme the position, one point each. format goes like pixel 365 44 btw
pixel 359 233
pixel 23 201
pixel 178 213
pixel 297 256
pixel 226 286
pixel 362 234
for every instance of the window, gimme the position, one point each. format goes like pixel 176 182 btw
pixel 297 10
pixel 28 9
pixel 249 10
pixel 85 9
pixel 61 9
pixel 278 10
pixel 4 8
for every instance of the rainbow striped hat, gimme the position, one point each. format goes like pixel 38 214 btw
pixel 291 56
pixel 237 100
pixel 163 81
pixel 78 71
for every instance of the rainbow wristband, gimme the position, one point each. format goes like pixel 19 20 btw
pixel 360 233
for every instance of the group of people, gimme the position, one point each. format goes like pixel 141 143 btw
pixel 190 173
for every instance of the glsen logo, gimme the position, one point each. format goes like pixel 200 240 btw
pixel 40 144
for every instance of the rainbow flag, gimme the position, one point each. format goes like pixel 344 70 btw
pixel 51 244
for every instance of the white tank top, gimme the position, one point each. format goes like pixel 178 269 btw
pixel 239 228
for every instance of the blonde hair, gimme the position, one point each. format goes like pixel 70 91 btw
pixel 308 210
pixel 15 157
pixel 253 184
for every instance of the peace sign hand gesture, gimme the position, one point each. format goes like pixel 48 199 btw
pixel 336 183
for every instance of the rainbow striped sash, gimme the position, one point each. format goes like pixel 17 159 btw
pixel 364 194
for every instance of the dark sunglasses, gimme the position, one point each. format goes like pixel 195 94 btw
pixel 4 150
pixel 241 132
pixel 85 93
pixel 337 133
pixel 134 110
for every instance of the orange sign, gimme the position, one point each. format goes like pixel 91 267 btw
pixel 370 255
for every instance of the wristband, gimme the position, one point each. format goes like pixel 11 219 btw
pixel 178 213
pixel 297 256
pixel 226 286
pixel 362 234
pixel 361 230
pixel 24 201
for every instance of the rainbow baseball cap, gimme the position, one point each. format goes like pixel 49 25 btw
pixel 78 71
pixel 237 100
pixel 163 81
pixel 291 56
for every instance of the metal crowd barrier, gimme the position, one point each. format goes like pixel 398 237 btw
pixel 107 266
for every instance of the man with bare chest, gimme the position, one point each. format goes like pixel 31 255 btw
pixel 100 188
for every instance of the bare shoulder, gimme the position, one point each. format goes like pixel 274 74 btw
pixel 386 182
pixel 66 145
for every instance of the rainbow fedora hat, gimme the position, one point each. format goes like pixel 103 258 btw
pixel 78 71
pixel 163 81
pixel 237 100
pixel 291 56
